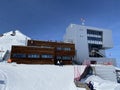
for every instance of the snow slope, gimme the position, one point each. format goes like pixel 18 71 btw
pixel 106 72
pixel 100 84
pixel 45 77
pixel 8 39
pixel 36 77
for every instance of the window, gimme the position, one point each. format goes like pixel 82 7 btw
pixel 58 57
pixel 19 55
pixel 33 56
pixel 45 46
pixel 59 48
pixel 94 38
pixel 94 32
pixel 63 48
pixel 67 49
pixel 66 58
pixel 46 56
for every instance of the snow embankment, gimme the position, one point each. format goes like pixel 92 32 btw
pixel 46 77
pixel 100 84
pixel 36 77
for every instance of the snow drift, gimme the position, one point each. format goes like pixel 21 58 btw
pixel 100 84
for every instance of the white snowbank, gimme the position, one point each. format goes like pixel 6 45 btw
pixel 36 77
pixel 45 77
pixel 100 84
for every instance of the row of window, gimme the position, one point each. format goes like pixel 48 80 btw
pixel 95 42
pixel 63 57
pixel 91 35
pixel 46 56
pixel 45 46
pixel 94 38
pixel 33 56
pixel 94 32
pixel 19 55
pixel 63 48
pixel 57 48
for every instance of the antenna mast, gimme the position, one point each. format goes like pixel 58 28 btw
pixel 83 21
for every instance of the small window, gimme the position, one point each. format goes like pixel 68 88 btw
pixel 94 38
pixel 66 58
pixel 19 55
pixel 46 56
pixel 58 57
pixel 45 46
pixel 67 49
pixel 59 48
pixel 93 62
pixel 33 56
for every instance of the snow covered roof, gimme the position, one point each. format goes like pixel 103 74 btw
pixel 8 39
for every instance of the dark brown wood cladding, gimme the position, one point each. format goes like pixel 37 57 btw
pixel 30 49
pixel 50 44
pixel 33 61
pixel 40 48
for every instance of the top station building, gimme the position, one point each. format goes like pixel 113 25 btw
pixel 82 44
pixel 90 44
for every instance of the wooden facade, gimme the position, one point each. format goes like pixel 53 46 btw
pixel 43 52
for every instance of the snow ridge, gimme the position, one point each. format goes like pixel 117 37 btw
pixel 11 38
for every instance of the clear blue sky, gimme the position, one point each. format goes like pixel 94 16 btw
pixel 48 19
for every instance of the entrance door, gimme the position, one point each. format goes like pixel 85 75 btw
pixel 93 62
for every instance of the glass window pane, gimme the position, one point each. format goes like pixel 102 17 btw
pixel 59 48
pixel 33 56
pixel 46 56
pixel 19 55
pixel 59 57
pixel 66 58
pixel 67 49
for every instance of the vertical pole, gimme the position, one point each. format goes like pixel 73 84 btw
pixel 74 73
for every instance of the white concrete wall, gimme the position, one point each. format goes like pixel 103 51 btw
pixel 78 35
pixel 106 72
pixel 81 43
pixel 107 39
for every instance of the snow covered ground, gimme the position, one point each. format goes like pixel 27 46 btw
pixel 100 84
pixel 36 77
pixel 45 77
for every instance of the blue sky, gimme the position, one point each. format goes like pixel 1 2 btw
pixel 48 19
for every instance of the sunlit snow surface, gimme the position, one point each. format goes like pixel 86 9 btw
pixel 100 84
pixel 45 77
pixel 36 77
pixel 7 39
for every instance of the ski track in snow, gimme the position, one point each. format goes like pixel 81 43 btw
pixel 3 80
